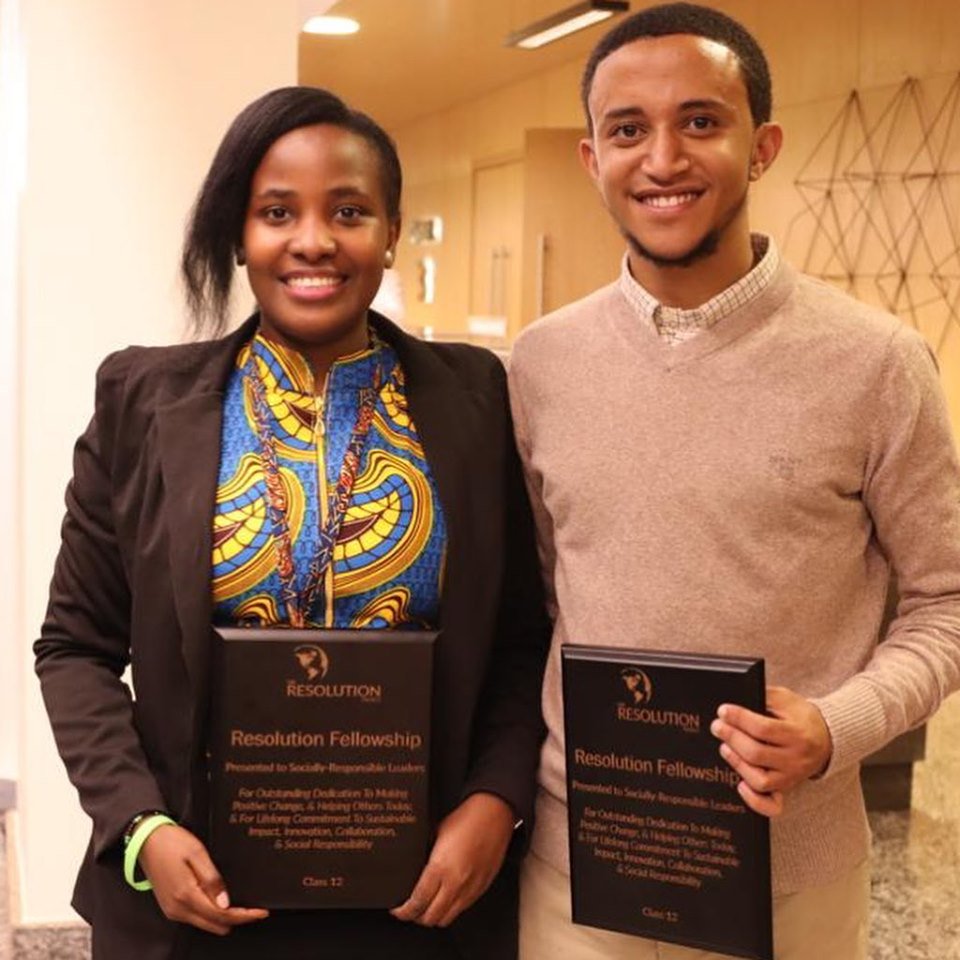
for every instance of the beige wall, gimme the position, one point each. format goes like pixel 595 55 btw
pixel 12 161
pixel 819 51
pixel 440 155
pixel 126 102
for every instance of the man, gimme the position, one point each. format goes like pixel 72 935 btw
pixel 727 457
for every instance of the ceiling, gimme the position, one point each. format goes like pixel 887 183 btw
pixel 413 58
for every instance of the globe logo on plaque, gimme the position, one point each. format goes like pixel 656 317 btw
pixel 313 661
pixel 313 664
pixel 633 705
pixel 639 687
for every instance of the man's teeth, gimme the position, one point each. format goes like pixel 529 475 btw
pixel 671 200
pixel 313 281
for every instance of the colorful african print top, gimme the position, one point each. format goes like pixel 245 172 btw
pixel 388 560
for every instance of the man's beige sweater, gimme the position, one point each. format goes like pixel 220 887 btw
pixel 743 493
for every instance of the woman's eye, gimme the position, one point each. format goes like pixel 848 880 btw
pixel 276 214
pixel 349 212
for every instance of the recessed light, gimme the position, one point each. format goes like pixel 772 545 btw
pixel 331 26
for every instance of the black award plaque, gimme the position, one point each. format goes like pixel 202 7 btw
pixel 318 752
pixel 661 845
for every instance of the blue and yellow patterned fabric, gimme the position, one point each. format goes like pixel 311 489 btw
pixel 388 561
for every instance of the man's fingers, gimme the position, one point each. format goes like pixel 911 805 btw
pixel 756 752
pixel 793 745
pixel 766 804
pixel 778 698
pixel 757 725
pixel 760 779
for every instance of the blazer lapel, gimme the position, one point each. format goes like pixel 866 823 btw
pixel 189 436
pixel 434 411
pixel 189 432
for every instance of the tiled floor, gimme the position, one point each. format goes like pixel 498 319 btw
pixel 916 856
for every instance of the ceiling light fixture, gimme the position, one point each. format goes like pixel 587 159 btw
pixel 331 26
pixel 565 22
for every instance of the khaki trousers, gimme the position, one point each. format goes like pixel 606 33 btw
pixel 820 923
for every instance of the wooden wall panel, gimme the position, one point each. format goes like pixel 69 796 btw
pixel 819 52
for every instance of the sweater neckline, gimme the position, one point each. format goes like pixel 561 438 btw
pixel 736 324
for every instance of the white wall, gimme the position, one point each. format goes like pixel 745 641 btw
pixel 126 102
pixel 12 162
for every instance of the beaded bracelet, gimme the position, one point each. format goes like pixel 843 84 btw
pixel 134 844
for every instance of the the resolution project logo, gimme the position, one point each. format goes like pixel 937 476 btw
pixel 636 694
pixel 313 661
pixel 639 687
pixel 312 666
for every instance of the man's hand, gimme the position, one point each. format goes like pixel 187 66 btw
pixel 774 753
pixel 187 885
pixel 466 856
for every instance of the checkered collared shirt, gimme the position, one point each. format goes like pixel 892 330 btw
pixel 675 325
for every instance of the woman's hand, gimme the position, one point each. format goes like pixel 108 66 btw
pixel 187 885
pixel 466 856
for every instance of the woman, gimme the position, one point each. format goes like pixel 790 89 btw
pixel 320 399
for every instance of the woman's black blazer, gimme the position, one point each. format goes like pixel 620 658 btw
pixel 132 585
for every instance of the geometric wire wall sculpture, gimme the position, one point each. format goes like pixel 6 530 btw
pixel 881 195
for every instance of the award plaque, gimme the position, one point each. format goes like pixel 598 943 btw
pixel 318 752
pixel 661 845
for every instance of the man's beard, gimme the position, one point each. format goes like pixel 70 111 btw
pixel 706 246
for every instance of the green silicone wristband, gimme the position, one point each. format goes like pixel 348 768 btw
pixel 139 838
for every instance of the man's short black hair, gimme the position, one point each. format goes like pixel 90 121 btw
pixel 690 18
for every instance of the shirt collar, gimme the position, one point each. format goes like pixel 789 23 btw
pixel 675 325
pixel 291 372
